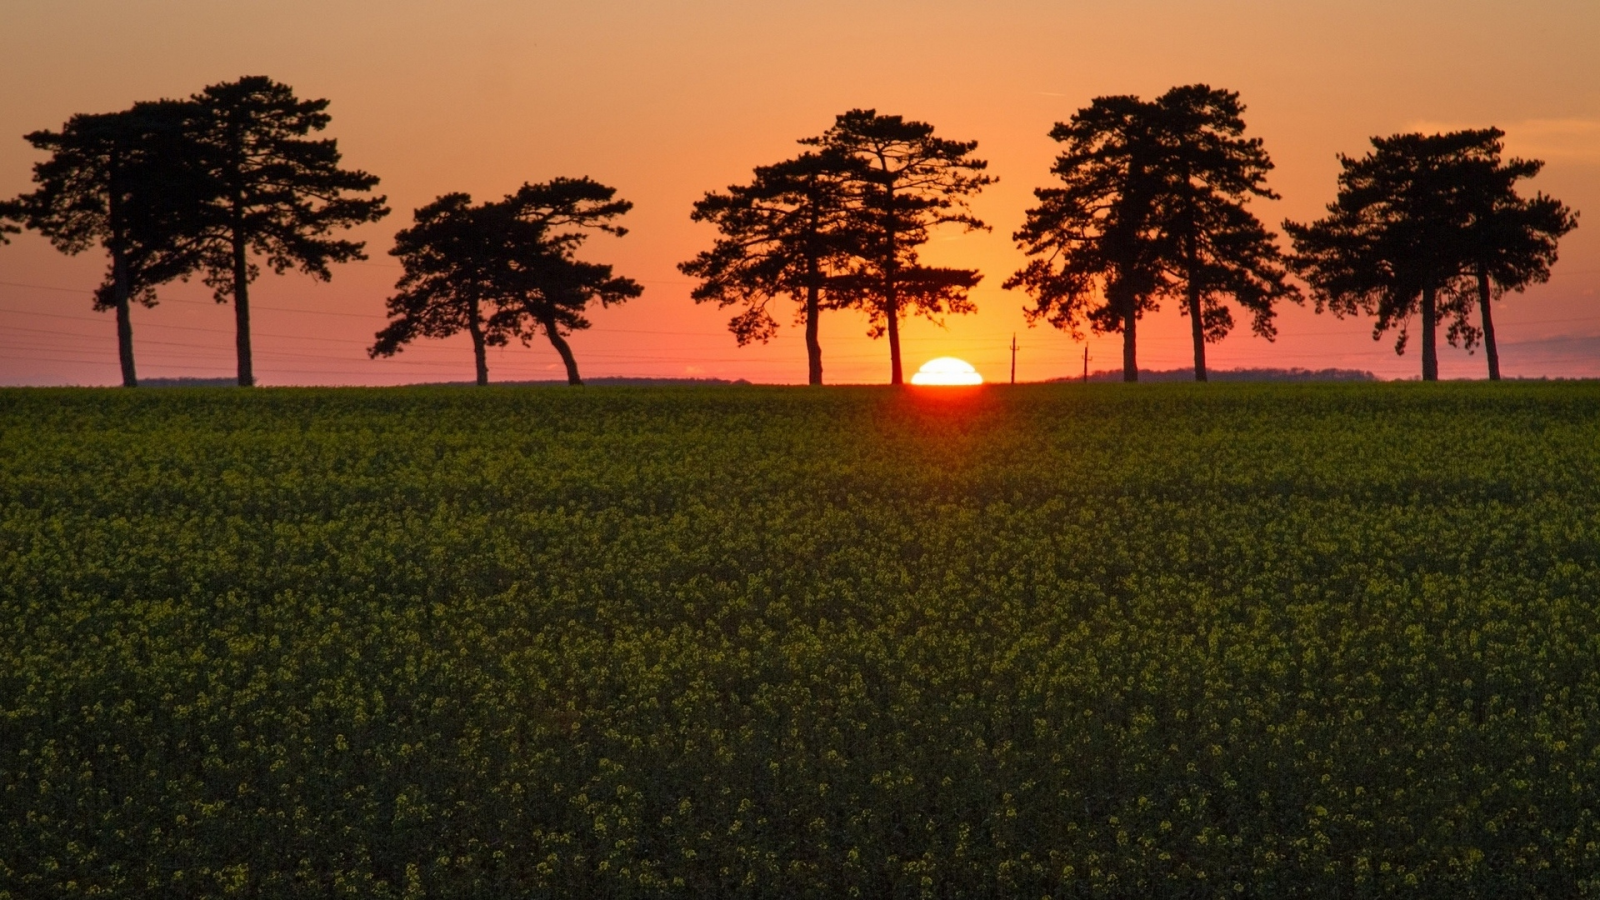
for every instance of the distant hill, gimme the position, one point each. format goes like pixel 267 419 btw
pixel 1187 374
pixel 608 380
pixel 230 382
pixel 188 382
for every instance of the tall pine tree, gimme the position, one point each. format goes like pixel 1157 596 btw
pixel 1394 244
pixel 129 182
pixel 1509 240
pixel 452 257
pixel 907 181
pixel 1214 247
pixel 278 194
pixel 785 234
pixel 1097 243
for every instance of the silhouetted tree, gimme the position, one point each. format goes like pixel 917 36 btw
pixel 786 233
pixel 541 285
pixel 1099 246
pixel 453 258
pixel 128 182
pixel 1510 240
pixel 1153 205
pixel 1214 247
pixel 10 215
pixel 504 269
pixel 277 193
pixel 906 181
pixel 1395 240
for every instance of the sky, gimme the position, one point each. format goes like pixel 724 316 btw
pixel 667 100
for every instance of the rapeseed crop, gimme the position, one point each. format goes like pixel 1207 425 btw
pixel 1045 641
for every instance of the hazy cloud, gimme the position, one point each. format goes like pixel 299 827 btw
pixel 1561 356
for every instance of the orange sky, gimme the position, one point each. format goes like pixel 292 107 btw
pixel 667 100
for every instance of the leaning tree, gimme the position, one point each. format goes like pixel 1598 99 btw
pixel 785 234
pixel 1394 242
pixel 906 181
pixel 127 181
pixel 276 193
pixel 505 269
pixel 453 260
pixel 542 287
pixel 1509 240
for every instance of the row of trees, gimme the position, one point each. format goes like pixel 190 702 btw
pixel 211 185
pixel 218 183
pixel 1151 205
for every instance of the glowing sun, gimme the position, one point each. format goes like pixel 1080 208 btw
pixel 947 370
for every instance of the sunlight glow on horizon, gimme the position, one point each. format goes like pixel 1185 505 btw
pixel 947 371
pixel 434 100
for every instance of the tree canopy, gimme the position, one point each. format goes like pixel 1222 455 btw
pixel 10 216
pixel 1152 202
pixel 785 234
pixel 905 181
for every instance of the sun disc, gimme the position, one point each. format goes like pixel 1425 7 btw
pixel 947 371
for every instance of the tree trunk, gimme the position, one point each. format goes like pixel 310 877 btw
pixel 560 343
pixel 1199 330
pixel 1430 339
pixel 896 373
pixel 1489 346
pixel 1130 356
pixel 813 347
pixel 241 267
pixel 241 308
pixel 119 288
pixel 479 356
pixel 891 289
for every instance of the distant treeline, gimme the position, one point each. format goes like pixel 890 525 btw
pixel 1234 375
pixel 1148 204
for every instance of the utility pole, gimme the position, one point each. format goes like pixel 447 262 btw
pixel 1085 363
pixel 1013 357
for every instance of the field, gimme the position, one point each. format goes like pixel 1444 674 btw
pixel 1044 641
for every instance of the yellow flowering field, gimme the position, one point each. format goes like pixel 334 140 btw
pixel 1045 641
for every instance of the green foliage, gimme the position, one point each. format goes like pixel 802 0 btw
pixel 1061 641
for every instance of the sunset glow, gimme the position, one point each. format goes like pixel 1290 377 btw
pixel 947 371
pixel 435 100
